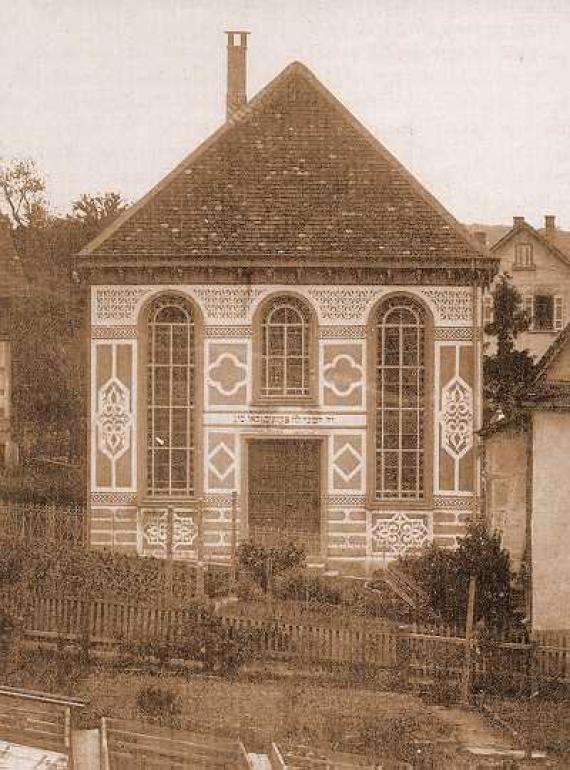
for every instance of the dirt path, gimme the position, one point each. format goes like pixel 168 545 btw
pixel 472 729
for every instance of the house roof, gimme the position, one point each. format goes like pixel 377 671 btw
pixel 559 245
pixel 13 282
pixel 292 178
pixel 546 392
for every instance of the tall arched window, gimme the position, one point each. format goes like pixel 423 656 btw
pixel 285 342
pixel 170 390
pixel 400 400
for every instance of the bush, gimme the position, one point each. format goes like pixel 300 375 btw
pixel 262 563
pixel 7 628
pixel 159 705
pixel 99 573
pixel 301 585
pixel 444 575
pixel 11 564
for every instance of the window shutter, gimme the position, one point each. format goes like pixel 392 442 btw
pixel 528 305
pixel 487 309
pixel 558 313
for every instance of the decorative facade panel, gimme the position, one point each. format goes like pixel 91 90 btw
pixel 221 461
pixel 347 462
pixel 228 305
pixel 114 416
pixel 394 534
pixel 227 374
pixel 342 375
pixel 454 456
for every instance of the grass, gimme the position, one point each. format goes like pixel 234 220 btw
pixel 292 709
pixel 543 721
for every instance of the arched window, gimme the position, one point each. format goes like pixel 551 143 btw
pixel 285 341
pixel 400 400
pixel 170 395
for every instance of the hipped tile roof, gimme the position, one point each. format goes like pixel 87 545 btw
pixel 293 178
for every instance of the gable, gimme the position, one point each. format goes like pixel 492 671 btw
pixel 294 179
pixel 546 255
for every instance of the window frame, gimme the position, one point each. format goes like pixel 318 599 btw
pixel 558 311
pixel 528 263
pixel 144 490
pixel 269 305
pixel 373 501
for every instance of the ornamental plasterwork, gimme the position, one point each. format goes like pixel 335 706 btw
pixel 155 526
pixel 348 305
pixel 113 498
pixel 395 535
pixel 113 419
pixel 456 417
pixel 342 375
pixel 227 374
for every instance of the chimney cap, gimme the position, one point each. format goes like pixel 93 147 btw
pixel 550 221
pixel 242 35
pixel 518 221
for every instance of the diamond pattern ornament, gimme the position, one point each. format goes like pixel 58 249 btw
pixel 114 419
pixel 347 462
pixel 221 461
pixel 456 418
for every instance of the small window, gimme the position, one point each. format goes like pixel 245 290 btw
pixel 285 350
pixel 523 255
pixel 543 312
pixel 546 312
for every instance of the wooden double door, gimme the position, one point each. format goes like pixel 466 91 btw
pixel 284 491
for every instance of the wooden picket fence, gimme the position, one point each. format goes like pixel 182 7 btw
pixel 33 523
pixel 303 637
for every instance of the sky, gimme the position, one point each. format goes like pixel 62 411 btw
pixel 472 96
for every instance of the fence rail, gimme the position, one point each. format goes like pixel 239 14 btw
pixel 106 624
pixel 43 523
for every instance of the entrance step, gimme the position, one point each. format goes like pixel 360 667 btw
pixel 85 749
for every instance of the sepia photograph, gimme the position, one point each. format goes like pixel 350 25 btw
pixel 285 384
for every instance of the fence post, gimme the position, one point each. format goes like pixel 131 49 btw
pixel 233 543
pixel 200 587
pixel 466 675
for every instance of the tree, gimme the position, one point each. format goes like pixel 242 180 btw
pixel 22 189
pixel 445 574
pixel 506 373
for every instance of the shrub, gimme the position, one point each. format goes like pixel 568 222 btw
pixel 444 575
pixel 7 628
pixel 158 704
pixel 11 564
pixel 262 563
pixel 301 585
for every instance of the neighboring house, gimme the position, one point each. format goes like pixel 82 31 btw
pixel 528 487
pixel 539 263
pixel 13 284
pixel 287 324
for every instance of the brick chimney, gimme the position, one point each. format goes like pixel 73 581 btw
pixel 518 221
pixel 549 225
pixel 236 97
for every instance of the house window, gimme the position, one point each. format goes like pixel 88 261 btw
pixel 400 400
pixel 546 312
pixel 170 411
pixel 523 255
pixel 285 341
